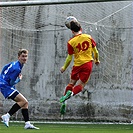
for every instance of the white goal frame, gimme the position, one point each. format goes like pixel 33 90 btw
pixel 50 2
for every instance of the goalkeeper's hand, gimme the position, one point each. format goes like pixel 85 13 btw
pixel 20 76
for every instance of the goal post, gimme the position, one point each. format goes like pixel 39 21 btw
pixel 40 28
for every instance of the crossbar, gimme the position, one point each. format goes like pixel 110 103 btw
pixel 50 2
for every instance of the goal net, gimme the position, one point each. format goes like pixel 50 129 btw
pixel 108 96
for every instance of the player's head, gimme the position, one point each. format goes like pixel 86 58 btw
pixel 22 55
pixel 75 26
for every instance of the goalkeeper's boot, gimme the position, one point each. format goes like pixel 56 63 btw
pixel 63 109
pixel 28 125
pixel 67 96
pixel 5 120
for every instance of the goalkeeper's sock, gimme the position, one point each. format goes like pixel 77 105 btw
pixel 25 114
pixel 14 109
pixel 77 89
pixel 69 87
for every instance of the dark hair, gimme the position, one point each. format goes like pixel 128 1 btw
pixel 25 51
pixel 75 26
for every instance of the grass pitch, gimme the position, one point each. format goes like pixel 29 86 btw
pixel 68 128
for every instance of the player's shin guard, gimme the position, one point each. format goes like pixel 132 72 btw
pixel 69 87
pixel 77 89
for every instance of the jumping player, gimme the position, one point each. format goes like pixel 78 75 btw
pixel 11 75
pixel 83 48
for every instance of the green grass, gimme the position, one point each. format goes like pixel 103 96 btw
pixel 68 128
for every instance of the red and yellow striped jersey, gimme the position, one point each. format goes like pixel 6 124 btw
pixel 81 47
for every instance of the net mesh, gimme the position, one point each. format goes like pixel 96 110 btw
pixel 41 30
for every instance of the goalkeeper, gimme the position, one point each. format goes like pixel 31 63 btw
pixel 11 75
pixel 83 48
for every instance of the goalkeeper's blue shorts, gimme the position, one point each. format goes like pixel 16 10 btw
pixel 7 90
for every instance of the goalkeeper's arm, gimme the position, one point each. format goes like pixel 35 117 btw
pixel 12 82
pixel 96 55
pixel 67 62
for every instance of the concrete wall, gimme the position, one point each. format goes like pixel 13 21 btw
pixel 40 29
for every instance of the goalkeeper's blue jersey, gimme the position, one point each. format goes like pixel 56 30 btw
pixel 10 72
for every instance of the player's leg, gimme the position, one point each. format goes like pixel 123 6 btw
pixel 68 91
pixel 84 76
pixel 69 87
pixel 78 88
pixel 63 108
pixel 67 94
pixel 75 90
pixel 22 101
pixel 81 73
pixel 9 92
pixel 74 78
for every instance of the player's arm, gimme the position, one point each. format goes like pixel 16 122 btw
pixel 4 68
pixel 13 82
pixel 95 52
pixel 67 62
pixel 96 55
pixel 15 77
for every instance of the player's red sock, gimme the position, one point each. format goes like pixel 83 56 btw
pixel 77 89
pixel 69 87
